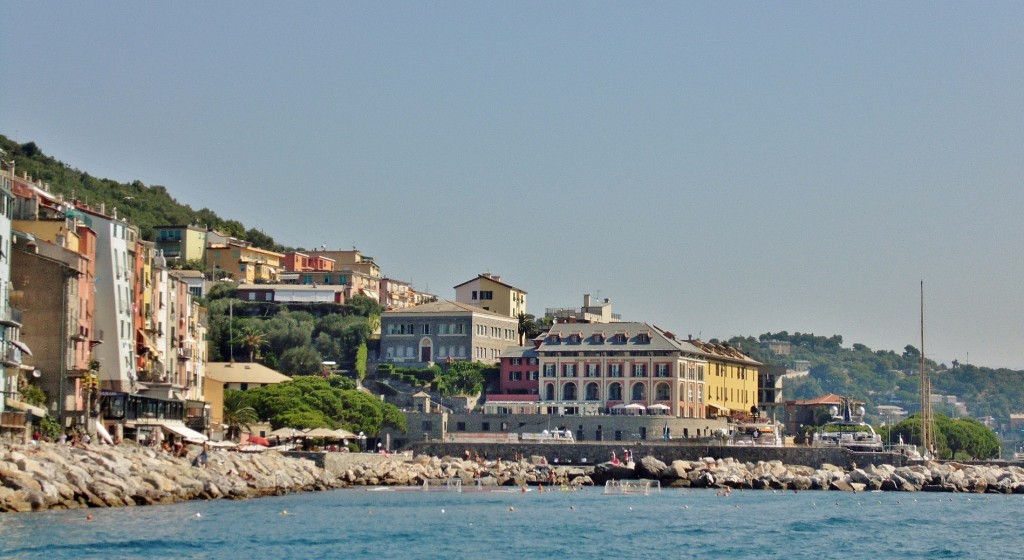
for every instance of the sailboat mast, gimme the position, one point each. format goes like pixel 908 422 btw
pixel 927 438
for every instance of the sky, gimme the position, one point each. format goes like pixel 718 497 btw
pixel 713 168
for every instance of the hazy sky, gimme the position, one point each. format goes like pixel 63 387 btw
pixel 714 168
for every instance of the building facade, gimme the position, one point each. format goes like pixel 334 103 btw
pixel 444 331
pixel 181 243
pixel 622 368
pixel 243 263
pixel 487 291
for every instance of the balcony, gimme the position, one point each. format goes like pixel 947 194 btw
pixel 10 317
pixel 186 353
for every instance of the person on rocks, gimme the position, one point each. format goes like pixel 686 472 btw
pixel 200 460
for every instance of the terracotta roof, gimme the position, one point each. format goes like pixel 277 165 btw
pixel 492 278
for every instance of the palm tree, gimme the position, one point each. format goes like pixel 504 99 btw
pixel 527 327
pixel 253 340
pixel 237 413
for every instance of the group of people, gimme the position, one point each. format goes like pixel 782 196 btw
pixel 627 457
pixel 72 437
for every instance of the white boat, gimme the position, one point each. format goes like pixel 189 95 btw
pixel 642 487
pixel 757 434
pixel 855 435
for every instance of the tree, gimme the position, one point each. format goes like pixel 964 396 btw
pixel 527 327
pixel 252 339
pixel 301 360
pixel 361 361
pixel 365 306
pixel 237 413
pixel 332 402
pixel 462 378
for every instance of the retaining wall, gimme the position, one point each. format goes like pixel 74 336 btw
pixel 594 453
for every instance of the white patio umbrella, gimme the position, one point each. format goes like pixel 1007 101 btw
pixel 286 433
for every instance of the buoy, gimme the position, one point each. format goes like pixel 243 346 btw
pixel 89 517
pixel 199 514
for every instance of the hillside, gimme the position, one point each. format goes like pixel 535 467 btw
pixel 876 377
pixel 884 377
pixel 143 205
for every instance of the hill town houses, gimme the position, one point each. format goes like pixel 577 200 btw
pixel 110 328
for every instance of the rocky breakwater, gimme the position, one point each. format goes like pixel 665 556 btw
pixel 49 476
pixel 400 470
pixel 729 473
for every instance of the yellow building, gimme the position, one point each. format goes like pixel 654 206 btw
pixel 185 243
pixel 243 263
pixel 731 379
pixel 233 375
pixel 489 292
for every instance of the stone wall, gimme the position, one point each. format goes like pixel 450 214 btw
pixel 594 453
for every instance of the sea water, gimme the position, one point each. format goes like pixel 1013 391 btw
pixel 673 523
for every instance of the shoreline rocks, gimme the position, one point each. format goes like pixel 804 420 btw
pixel 49 476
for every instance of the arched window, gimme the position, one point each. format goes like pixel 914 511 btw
pixel 593 392
pixel 615 391
pixel 662 392
pixel 549 392
pixel 639 392
pixel 569 392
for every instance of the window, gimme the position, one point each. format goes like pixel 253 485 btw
pixel 568 370
pixel 615 392
pixel 427 425
pixel 661 370
pixel 639 370
pixel 485 427
pixel 593 370
pixel 662 392
pixel 474 295
pixel 569 392
pixel 515 376
pixel 639 392
pixel 425 328
pixel 549 370
pixel 614 370
pixel 486 294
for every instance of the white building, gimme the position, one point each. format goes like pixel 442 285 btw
pixel 115 265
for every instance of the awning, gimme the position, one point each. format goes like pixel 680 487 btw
pixel 185 432
pixel 21 346
pixel 147 342
pixel 719 408
pixel 35 410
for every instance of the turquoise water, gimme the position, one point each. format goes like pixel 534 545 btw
pixel 409 524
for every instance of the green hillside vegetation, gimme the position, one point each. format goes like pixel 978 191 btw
pixel 884 377
pixel 293 339
pixel 142 205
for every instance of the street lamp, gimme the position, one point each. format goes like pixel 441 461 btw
pixel 362 442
